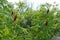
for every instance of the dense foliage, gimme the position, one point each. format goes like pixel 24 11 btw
pixel 25 23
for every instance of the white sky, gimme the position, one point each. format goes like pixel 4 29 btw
pixel 37 2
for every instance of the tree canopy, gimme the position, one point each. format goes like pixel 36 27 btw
pixel 24 23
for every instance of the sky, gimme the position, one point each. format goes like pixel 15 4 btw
pixel 36 3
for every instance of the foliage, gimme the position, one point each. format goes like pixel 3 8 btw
pixel 31 25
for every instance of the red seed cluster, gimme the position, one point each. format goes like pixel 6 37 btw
pixel 46 23
pixel 15 17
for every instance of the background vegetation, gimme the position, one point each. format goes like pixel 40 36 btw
pixel 24 23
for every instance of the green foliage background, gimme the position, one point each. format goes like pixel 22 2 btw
pixel 12 30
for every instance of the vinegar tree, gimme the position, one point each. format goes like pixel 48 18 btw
pixel 40 24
